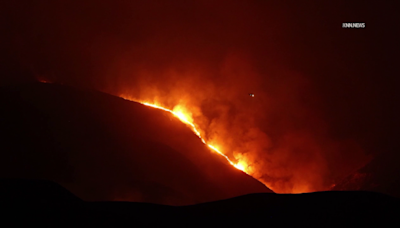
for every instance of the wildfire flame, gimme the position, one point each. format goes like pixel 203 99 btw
pixel 185 118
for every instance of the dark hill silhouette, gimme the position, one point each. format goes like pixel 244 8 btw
pixel 321 209
pixel 102 147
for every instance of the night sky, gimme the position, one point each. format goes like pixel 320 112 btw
pixel 325 97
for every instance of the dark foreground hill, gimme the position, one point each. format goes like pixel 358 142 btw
pixel 44 203
pixel 102 147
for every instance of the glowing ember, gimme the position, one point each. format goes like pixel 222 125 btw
pixel 239 166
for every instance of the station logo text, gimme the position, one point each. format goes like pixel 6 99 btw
pixel 353 25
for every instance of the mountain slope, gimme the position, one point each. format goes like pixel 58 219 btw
pixel 103 147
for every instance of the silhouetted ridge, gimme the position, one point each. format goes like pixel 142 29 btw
pixel 326 201
pixel 321 209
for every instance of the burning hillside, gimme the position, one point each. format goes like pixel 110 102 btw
pixel 277 89
pixel 102 147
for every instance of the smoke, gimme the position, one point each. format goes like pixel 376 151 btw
pixel 202 57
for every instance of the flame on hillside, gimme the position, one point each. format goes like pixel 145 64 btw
pixel 179 112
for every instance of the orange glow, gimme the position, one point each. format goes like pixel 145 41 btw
pixel 186 118
pixel 43 80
